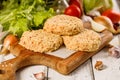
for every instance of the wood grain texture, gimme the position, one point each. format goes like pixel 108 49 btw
pixel 83 72
pixel 64 66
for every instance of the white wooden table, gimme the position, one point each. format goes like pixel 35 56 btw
pixel 87 71
pixel 84 72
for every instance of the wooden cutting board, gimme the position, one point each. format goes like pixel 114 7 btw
pixel 62 65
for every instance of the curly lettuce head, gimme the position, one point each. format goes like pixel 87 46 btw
pixel 18 16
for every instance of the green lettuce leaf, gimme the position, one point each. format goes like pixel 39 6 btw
pixel 18 16
pixel 40 17
pixel 17 28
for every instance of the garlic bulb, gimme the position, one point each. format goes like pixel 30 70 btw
pixel 114 51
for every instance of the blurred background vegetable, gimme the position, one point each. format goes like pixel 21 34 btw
pixel 113 15
pixel 101 5
pixel 17 16
pixel 74 8
pixel 75 2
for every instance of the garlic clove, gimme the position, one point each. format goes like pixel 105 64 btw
pixel 99 65
pixel 114 51
pixel 106 22
pixel 86 18
pixel 40 76
pixel 97 27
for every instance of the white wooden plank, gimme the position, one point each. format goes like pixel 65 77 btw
pixel 112 69
pixel 28 72
pixel 83 72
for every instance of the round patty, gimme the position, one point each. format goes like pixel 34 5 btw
pixel 63 25
pixel 40 41
pixel 88 41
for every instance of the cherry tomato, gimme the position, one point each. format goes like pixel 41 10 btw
pixel 73 10
pixel 113 15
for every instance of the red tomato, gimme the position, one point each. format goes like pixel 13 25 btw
pixel 113 15
pixel 73 10
pixel 75 2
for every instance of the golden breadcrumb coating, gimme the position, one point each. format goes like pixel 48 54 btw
pixel 88 40
pixel 40 41
pixel 63 25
